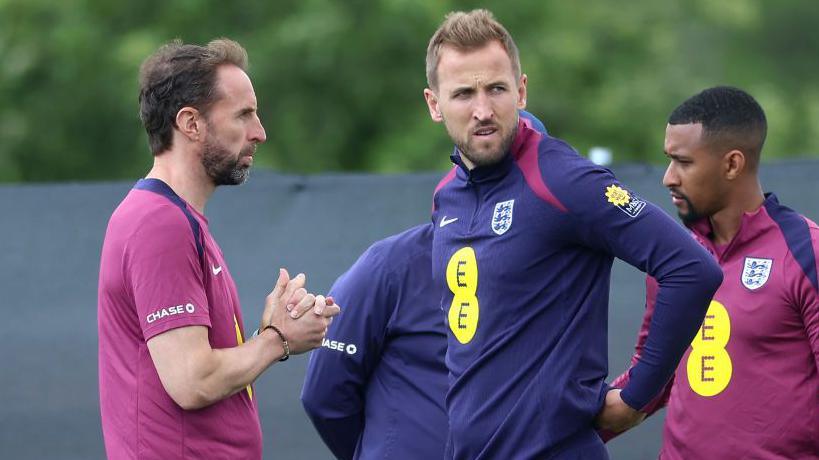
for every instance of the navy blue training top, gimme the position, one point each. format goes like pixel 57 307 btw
pixel 523 251
pixel 375 389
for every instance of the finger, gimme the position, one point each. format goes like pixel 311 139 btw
pixel 330 300
pixel 330 311
pixel 305 304
pixel 292 287
pixel 296 298
pixel 281 283
pixel 318 308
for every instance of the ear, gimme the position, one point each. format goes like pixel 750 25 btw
pixel 522 92
pixel 189 123
pixel 433 106
pixel 733 164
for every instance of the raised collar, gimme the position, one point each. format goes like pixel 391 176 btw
pixel 498 170
pixel 753 224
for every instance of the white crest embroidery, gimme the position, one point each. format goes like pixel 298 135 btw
pixel 502 218
pixel 756 272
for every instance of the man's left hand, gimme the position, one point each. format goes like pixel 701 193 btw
pixel 617 416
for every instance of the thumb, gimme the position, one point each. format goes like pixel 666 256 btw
pixel 281 283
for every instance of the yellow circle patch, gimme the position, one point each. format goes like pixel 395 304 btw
pixel 462 279
pixel 709 371
pixel 709 366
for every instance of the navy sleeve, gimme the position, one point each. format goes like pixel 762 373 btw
pixel 337 373
pixel 621 381
pixel 606 216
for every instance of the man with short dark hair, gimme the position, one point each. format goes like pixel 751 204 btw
pixel 525 235
pixel 748 387
pixel 175 367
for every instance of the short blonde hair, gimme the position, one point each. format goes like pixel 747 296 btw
pixel 465 32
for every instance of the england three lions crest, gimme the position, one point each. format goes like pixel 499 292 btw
pixel 756 272
pixel 502 218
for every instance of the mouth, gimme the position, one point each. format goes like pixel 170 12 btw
pixel 677 198
pixel 246 158
pixel 485 131
pixel 248 152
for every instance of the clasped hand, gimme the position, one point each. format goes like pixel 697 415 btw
pixel 286 307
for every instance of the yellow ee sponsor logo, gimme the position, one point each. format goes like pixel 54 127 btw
pixel 709 366
pixel 462 279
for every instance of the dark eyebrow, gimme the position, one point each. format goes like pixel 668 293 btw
pixel 246 111
pixel 461 89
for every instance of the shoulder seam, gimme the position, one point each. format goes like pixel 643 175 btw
pixel 796 232
pixel 445 180
pixel 529 164
pixel 162 189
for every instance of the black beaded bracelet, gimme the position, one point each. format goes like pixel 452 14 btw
pixel 285 345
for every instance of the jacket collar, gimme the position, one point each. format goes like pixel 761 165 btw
pixel 753 224
pixel 497 170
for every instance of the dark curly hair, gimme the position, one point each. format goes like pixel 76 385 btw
pixel 730 118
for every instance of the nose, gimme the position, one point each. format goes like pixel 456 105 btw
pixel 482 110
pixel 670 178
pixel 257 133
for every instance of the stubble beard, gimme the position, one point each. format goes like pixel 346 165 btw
pixel 691 216
pixel 221 167
pixel 467 148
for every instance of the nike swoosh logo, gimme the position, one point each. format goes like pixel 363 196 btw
pixel 445 221
pixel 216 270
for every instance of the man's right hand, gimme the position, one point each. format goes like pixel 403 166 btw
pixel 285 307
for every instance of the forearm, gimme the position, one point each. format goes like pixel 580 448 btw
pixel 332 398
pixel 230 370
pixel 341 435
pixel 682 301
pixel 196 376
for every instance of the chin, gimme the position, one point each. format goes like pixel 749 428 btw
pixel 485 156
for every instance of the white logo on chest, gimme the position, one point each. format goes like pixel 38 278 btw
pixel 445 221
pixel 756 271
pixel 502 218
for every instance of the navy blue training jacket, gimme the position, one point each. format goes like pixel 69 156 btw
pixel 375 389
pixel 523 251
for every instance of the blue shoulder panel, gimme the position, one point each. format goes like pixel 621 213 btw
pixel 161 188
pixel 536 123
pixel 797 236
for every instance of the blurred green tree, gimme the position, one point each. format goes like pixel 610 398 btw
pixel 339 83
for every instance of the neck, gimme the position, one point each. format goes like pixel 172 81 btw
pixel 185 176
pixel 745 198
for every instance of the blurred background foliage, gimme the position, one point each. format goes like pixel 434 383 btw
pixel 340 82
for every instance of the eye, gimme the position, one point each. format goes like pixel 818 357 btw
pixel 497 89
pixel 247 113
